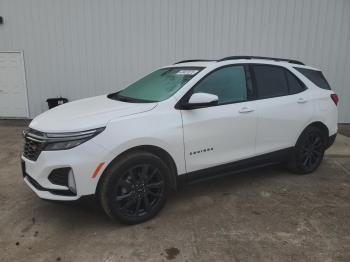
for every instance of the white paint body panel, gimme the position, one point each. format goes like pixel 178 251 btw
pixel 202 98
pixel 71 117
pixel 218 135
pixel 227 133
pixel 281 120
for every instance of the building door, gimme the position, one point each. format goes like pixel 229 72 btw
pixel 13 91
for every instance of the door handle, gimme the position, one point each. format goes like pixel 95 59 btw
pixel 302 100
pixel 245 110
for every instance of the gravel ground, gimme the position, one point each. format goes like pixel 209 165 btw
pixel 264 215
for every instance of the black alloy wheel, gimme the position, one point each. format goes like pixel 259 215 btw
pixel 309 150
pixel 312 150
pixel 139 190
pixel 134 188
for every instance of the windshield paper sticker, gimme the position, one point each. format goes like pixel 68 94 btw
pixel 187 72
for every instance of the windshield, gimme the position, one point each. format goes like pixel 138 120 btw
pixel 157 86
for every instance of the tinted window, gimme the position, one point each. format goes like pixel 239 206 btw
pixel 227 83
pixel 295 85
pixel 315 77
pixel 270 81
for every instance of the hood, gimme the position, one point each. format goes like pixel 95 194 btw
pixel 86 114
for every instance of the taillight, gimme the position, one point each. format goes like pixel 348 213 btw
pixel 335 98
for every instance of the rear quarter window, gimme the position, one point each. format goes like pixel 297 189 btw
pixel 315 77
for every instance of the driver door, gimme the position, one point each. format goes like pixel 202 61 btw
pixel 223 133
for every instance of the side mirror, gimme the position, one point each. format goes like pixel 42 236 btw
pixel 199 100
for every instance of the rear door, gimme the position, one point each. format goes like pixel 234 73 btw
pixel 284 107
pixel 224 133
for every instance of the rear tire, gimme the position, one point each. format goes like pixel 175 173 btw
pixel 134 188
pixel 308 152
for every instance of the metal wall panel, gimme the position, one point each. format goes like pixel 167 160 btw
pixel 83 48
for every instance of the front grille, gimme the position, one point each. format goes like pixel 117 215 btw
pixel 34 142
pixel 32 149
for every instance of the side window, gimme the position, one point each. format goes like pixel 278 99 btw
pixel 270 81
pixel 228 83
pixel 295 85
pixel 315 77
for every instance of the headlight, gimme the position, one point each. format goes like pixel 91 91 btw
pixel 61 141
pixel 63 145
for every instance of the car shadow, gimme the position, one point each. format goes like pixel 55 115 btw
pixel 87 208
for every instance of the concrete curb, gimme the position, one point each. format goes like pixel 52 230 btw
pixel 336 156
pixel 340 148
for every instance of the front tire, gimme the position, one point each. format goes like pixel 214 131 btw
pixel 134 188
pixel 308 152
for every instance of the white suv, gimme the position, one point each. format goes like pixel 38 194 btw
pixel 184 122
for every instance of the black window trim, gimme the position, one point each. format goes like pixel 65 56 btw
pixel 187 95
pixel 251 65
pixel 254 95
pixel 303 86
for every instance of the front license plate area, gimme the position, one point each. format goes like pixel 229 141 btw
pixel 23 167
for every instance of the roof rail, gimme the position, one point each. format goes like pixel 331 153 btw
pixel 261 57
pixel 194 60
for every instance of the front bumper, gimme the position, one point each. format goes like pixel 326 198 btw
pixel 82 159
pixel 45 193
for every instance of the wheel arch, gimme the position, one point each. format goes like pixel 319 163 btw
pixel 320 125
pixel 158 151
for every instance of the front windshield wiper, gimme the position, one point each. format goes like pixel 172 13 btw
pixel 117 96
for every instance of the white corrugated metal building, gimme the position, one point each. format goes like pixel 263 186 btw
pixel 82 48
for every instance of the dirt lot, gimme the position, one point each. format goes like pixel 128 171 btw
pixel 264 215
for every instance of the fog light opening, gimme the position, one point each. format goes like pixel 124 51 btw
pixel 71 182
